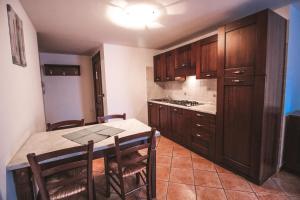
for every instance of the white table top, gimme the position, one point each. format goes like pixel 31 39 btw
pixel 44 142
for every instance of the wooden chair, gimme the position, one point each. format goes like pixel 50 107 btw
pixel 127 162
pixel 65 124
pixel 108 117
pixel 65 178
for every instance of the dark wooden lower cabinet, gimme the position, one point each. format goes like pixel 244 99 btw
pixel 292 144
pixel 153 115
pixel 163 120
pixel 202 133
pixel 194 130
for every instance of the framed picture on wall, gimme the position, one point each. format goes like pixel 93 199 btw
pixel 16 37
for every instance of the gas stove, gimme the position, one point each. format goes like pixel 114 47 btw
pixel 186 103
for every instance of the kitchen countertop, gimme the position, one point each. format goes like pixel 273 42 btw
pixel 205 108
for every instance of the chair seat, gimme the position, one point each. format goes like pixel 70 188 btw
pixel 69 188
pixel 129 169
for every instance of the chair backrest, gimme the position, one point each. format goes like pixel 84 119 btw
pixel 108 117
pixel 65 124
pixel 41 169
pixel 122 149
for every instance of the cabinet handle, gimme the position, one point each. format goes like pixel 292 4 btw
pixel 160 106
pixel 175 109
pixel 183 65
pixel 150 104
pixel 237 81
pixel 168 78
pixel 238 72
pixel 157 79
pixel 208 75
pixel 199 125
pixel 199 115
pixel 198 135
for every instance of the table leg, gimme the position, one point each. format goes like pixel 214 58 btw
pixel 23 184
pixel 153 178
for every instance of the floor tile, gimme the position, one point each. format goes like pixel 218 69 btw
pixel 234 182
pixel 203 164
pixel 162 173
pixel 238 195
pixel 204 193
pixel 181 152
pixel 271 197
pixel 288 183
pixel 270 186
pixel 161 189
pixel 182 162
pixel 163 151
pixel 98 165
pixel 207 179
pixel 184 176
pixel 164 161
pixel 222 170
pixel 181 192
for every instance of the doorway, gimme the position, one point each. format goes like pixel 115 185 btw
pixel 98 90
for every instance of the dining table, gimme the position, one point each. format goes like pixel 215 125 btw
pixel 44 142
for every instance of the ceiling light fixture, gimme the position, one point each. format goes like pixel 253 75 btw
pixel 136 16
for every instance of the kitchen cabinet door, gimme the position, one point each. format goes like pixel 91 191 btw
pixel 236 143
pixel 177 125
pixel 207 55
pixel 153 115
pixel 164 120
pixel 170 65
pixel 183 60
pixel 159 68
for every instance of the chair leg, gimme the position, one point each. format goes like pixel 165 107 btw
pixel 149 189
pixel 122 187
pixel 138 178
pixel 107 193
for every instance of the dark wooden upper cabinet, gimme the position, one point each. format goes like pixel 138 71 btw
pixel 170 65
pixel 251 54
pixel 183 60
pixel 160 68
pixel 207 57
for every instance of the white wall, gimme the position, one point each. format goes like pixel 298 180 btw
pixel 21 101
pixel 69 97
pixel 125 80
pixel 292 95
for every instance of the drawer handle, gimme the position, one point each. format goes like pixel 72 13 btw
pixel 238 72
pixel 168 78
pixel 198 135
pixel 208 75
pixel 237 81
pixel 199 115
pixel 150 104
pixel 160 106
pixel 175 109
pixel 157 79
pixel 199 125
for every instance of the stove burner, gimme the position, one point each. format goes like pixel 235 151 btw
pixel 186 103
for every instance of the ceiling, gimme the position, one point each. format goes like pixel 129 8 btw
pixel 80 26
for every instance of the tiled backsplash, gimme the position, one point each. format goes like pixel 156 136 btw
pixel 190 89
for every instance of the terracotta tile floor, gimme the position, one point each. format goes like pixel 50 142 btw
pixel 184 175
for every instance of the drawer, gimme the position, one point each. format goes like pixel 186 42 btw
pixel 200 128
pixel 238 72
pixel 201 143
pixel 247 80
pixel 201 118
pixel 208 75
pixel 177 110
